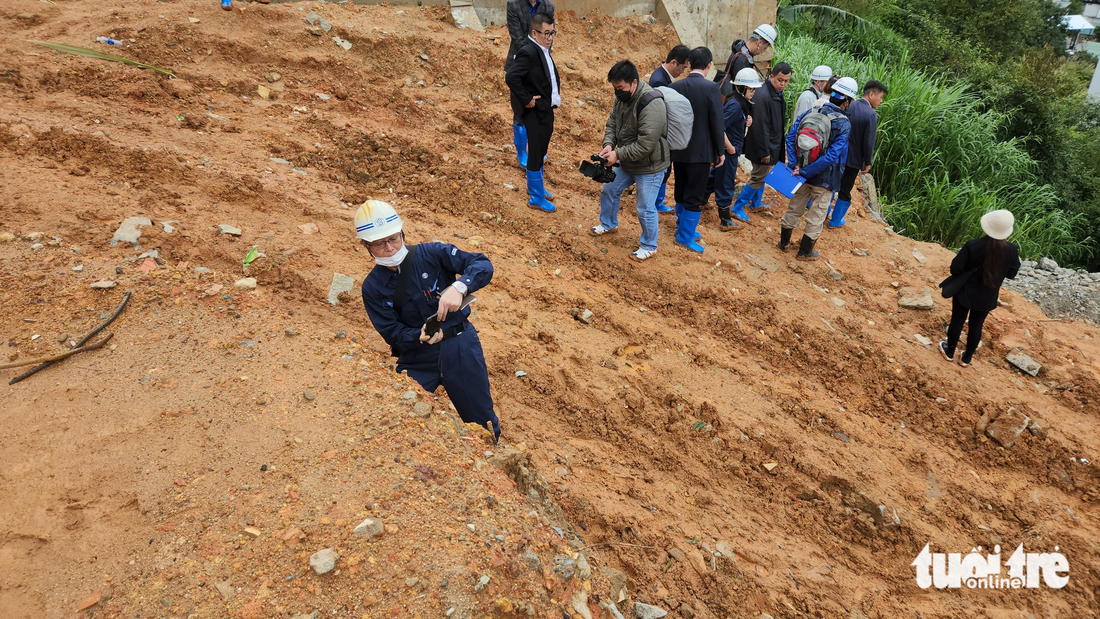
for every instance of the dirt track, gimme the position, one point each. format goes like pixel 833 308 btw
pixel 133 472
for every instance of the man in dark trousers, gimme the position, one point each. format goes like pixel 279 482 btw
pixel 861 146
pixel 764 145
pixel 534 82
pixel 822 175
pixel 410 284
pixel 705 149
pixel 664 75
pixel 520 13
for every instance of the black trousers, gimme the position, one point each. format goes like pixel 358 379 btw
pixel 846 183
pixel 973 333
pixel 691 184
pixel 539 130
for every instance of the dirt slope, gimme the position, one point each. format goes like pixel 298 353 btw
pixel 131 474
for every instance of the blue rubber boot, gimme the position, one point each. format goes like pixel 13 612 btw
pixel 757 203
pixel 227 5
pixel 685 232
pixel 661 206
pixel 679 213
pixel 743 199
pixel 519 138
pixel 538 193
pixel 839 211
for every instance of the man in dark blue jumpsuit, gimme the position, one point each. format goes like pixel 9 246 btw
pixel 440 275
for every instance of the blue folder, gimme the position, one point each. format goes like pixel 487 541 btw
pixel 781 180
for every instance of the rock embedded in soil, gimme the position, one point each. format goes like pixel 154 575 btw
pixel 105 284
pixel 369 527
pixel 1025 363
pixel 915 298
pixel 564 567
pixel 340 283
pixel 228 229
pixel 645 611
pixel 130 230
pixel 1008 427
pixel 323 561
pixel 585 316
pixel 248 283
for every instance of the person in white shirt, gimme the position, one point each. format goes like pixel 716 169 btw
pixel 535 85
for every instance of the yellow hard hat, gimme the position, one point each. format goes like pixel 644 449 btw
pixel 376 220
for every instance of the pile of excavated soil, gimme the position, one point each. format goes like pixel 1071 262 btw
pixel 728 435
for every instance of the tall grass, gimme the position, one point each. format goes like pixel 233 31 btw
pixel 938 164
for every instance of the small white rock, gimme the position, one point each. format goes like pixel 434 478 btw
pixel 248 283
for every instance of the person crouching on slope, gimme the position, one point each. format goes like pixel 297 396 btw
pixel 410 284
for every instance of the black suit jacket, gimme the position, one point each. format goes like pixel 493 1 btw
pixel 975 294
pixel 519 24
pixel 767 135
pixel 528 76
pixel 707 129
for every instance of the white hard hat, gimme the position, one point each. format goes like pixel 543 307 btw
pixel 846 87
pixel 767 32
pixel 822 72
pixel 376 220
pixel 748 77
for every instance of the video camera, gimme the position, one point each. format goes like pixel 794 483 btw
pixel 602 173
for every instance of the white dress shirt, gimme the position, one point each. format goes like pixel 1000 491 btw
pixel 555 96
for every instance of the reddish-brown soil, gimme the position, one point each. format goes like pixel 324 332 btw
pixel 130 474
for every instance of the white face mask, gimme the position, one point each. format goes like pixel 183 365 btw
pixel 394 260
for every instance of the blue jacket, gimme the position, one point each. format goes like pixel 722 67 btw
pixel 735 123
pixel 435 267
pixel 829 167
pixel 861 148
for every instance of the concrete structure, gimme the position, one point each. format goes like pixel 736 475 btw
pixel 714 23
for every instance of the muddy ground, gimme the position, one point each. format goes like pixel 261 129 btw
pixel 733 433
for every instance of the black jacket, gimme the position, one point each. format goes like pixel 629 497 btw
pixel 519 24
pixel 861 144
pixel 975 294
pixel 660 77
pixel 769 119
pixel 528 76
pixel 707 128
pixel 741 59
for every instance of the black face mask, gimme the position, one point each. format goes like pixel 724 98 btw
pixel 623 95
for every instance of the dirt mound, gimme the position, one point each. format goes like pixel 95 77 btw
pixel 728 434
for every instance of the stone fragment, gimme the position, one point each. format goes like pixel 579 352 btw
pixel 248 283
pixel 310 228
pixel 1025 363
pixel 90 600
pixel 579 602
pixel 915 298
pixel 1008 427
pixel 585 316
pixel 323 561
pixel 369 527
pixel 1046 264
pixel 340 283
pixel 422 409
pixel 481 583
pixel 130 230
pixel 228 229
pixel 645 611
pixel 105 284
pixel 923 340
pixel 313 19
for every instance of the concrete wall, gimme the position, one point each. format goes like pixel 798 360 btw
pixel 714 23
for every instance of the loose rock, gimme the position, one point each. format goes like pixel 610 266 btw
pixel 228 229
pixel 564 567
pixel 340 283
pixel 481 583
pixel 323 561
pixel 248 283
pixel 130 230
pixel 585 316
pixel 580 604
pixel 309 395
pixel 369 527
pixel 1025 363
pixel 645 611
pixel 914 298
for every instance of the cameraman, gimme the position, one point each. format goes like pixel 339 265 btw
pixel 635 139
pixel 410 284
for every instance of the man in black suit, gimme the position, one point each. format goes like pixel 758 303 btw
pixel 764 143
pixel 664 75
pixel 520 13
pixel 534 82
pixel 705 149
